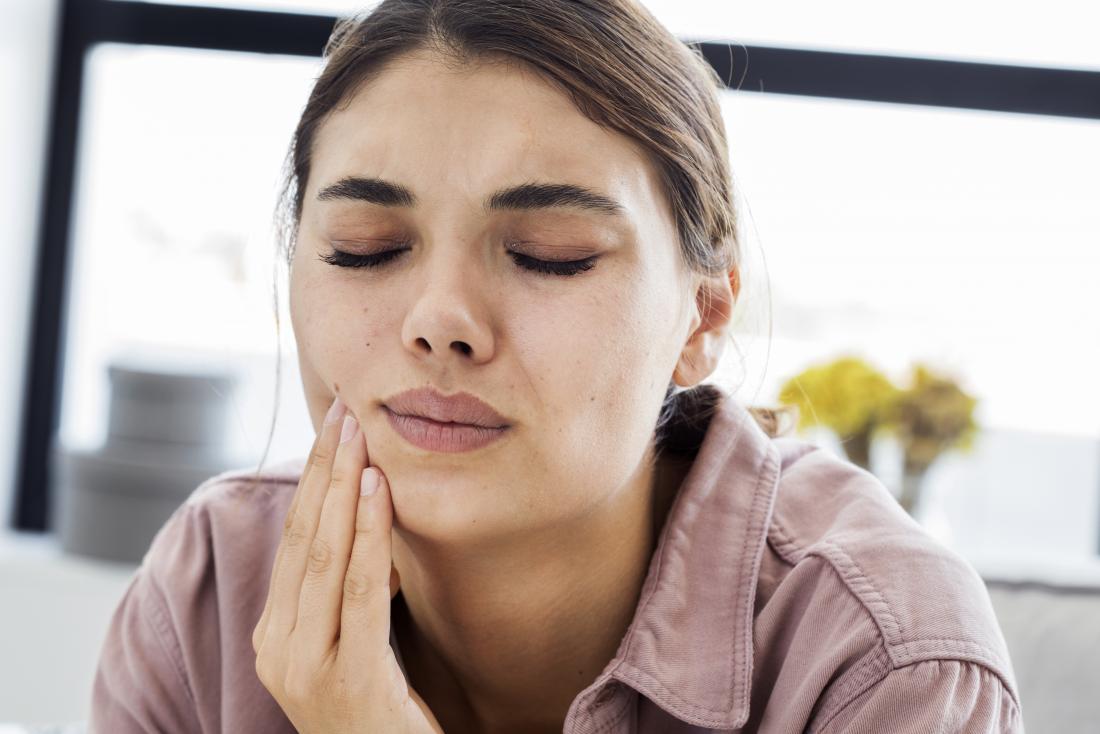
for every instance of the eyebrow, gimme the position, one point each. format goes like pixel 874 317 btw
pixel 522 197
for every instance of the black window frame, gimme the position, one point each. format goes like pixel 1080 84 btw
pixel 771 70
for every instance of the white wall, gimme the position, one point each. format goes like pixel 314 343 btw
pixel 27 43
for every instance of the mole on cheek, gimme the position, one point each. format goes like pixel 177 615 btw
pixel 336 386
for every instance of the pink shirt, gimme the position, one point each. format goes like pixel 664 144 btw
pixel 789 592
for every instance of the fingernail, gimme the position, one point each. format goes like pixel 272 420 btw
pixel 348 430
pixel 335 411
pixel 369 482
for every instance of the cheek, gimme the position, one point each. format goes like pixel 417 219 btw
pixel 599 371
pixel 610 349
pixel 334 329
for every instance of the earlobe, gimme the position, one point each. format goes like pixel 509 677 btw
pixel 704 348
pixel 685 370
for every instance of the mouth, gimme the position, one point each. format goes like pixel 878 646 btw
pixel 461 409
pixel 432 421
pixel 444 437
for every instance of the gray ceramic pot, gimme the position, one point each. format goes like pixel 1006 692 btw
pixel 165 436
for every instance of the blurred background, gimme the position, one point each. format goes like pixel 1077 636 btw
pixel 920 205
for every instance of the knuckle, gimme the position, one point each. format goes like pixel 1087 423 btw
pixel 298 684
pixel 265 673
pixel 320 556
pixel 321 457
pixel 294 534
pixel 358 587
pixel 340 476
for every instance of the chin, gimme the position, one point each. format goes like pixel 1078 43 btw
pixel 442 506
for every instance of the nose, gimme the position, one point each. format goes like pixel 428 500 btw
pixel 449 319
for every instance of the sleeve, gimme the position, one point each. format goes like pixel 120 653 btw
pixel 140 683
pixel 942 696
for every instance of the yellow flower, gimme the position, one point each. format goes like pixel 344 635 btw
pixel 847 395
pixel 932 416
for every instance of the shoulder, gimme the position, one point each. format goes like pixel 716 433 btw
pixel 184 626
pixel 241 484
pixel 839 541
pixel 227 529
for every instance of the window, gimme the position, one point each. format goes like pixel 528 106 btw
pixel 180 154
pixel 958 237
pixel 979 30
pixel 962 238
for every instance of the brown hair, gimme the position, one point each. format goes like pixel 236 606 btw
pixel 622 69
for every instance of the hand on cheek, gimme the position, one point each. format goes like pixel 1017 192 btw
pixel 322 642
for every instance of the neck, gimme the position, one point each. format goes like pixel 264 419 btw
pixel 504 641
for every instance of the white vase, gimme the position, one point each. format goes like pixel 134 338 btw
pixel 912 494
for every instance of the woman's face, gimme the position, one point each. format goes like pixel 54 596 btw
pixel 578 365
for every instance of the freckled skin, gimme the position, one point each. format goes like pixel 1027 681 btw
pixel 486 541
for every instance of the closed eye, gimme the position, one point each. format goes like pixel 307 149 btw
pixel 565 268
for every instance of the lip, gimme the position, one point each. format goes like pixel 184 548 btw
pixel 426 402
pixel 449 423
pixel 444 437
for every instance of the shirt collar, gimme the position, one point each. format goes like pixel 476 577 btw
pixel 689 646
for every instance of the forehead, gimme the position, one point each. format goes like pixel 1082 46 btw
pixel 455 134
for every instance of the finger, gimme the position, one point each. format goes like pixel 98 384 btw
pixel 316 631
pixel 323 445
pixel 261 625
pixel 365 612
pixel 299 529
pixel 334 415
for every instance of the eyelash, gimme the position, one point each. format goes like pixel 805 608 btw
pixel 566 268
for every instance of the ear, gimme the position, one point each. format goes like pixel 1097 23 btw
pixel 714 301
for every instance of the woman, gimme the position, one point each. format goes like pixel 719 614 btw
pixel 513 261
